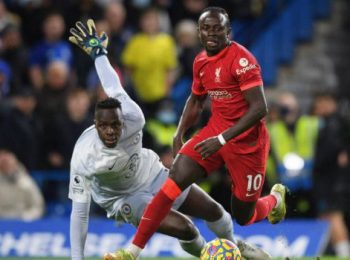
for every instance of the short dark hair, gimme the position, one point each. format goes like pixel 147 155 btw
pixel 108 103
pixel 219 10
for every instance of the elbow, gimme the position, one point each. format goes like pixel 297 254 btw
pixel 261 112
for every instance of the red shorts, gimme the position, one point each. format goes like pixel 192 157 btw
pixel 247 169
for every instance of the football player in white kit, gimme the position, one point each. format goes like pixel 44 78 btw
pixel 110 165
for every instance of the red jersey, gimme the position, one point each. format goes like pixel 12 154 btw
pixel 223 77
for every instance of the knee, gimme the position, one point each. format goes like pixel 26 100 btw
pixel 216 212
pixel 187 231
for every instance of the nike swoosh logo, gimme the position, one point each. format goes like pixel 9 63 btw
pixel 201 73
pixel 145 218
pixel 110 168
pixel 250 194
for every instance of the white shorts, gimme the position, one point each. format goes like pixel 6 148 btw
pixel 130 208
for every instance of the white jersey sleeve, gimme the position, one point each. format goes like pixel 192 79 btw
pixel 79 184
pixel 108 77
pixel 79 221
pixel 113 88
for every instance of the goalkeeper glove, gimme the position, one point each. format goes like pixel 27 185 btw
pixel 85 36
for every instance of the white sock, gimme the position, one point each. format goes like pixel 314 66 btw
pixel 194 246
pixel 278 197
pixel 135 250
pixel 342 248
pixel 223 227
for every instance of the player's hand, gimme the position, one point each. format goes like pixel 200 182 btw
pixel 208 147
pixel 85 36
pixel 177 144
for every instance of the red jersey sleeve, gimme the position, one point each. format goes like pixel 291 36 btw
pixel 246 69
pixel 197 87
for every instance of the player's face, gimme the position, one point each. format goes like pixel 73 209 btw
pixel 213 32
pixel 109 126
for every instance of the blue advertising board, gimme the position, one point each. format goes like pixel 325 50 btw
pixel 50 237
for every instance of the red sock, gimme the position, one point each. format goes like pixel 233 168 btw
pixel 263 207
pixel 155 212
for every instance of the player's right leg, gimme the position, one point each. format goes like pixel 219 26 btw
pixel 278 213
pixel 200 205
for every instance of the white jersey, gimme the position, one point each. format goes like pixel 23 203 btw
pixel 105 173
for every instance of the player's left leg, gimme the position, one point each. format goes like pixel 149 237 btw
pixel 248 173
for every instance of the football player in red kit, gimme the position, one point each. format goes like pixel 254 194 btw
pixel 235 135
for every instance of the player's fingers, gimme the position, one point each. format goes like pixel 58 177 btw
pixel 91 27
pixel 198 146
pixel 76 34
pixel 74 40
pixel 104 39
pixel 81 27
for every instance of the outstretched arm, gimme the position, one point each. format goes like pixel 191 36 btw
pixel 86 38
pixel 108 77
pixel 79 220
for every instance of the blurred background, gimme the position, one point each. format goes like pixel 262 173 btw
pixel 48 89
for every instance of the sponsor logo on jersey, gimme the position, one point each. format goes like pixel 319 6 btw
pixel 217 75
pixel 219 94
pixel 243 62
pixel 112 166
pixel 250 194
pixel 245 69
pixel 201 74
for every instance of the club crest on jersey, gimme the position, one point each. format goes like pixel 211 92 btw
pixel 126 212
pixel 217 74
pixel 137 138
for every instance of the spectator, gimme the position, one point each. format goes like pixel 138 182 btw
pixel 67 127
pixel 188 47
pixel 21 129
pixel 120 33
pixel 12 51
pixel 53 95
pixel 152 71
pixel 20 196
pixel 293 141
pixel 331 170
pixel 162 126
pixel 51 48
pixel 7 18
pixel 82 10
pixel 5 78
pixel 187 9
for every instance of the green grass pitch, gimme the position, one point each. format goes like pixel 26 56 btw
pixel 159 258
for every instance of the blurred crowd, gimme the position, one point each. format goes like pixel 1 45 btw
pixel 48 89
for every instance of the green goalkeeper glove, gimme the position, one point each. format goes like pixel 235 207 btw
pixel 85 36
